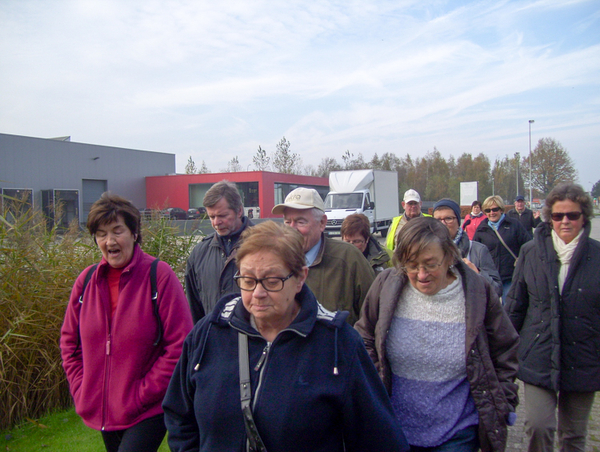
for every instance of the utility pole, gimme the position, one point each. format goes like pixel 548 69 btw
pixel 518 157
pixel 531 121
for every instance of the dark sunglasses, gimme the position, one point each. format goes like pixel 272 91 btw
pixel 558 216
pixel 493 209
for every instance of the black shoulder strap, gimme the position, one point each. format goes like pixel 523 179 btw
pixel 86 280
pixel 154 296
pixel 88 276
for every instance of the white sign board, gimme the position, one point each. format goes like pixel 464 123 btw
pixel 468 193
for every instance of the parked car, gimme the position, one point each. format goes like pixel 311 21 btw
pixel 176 213
pixel 196 212
pixel 149 214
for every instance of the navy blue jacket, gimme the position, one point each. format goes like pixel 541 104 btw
pixel 299 402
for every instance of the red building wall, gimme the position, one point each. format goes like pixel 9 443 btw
pixel 173 190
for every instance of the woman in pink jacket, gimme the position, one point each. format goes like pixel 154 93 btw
pixel 473 219
pixel 120 341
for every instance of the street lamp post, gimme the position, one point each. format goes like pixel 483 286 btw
pixel 530 181
pixel 518 159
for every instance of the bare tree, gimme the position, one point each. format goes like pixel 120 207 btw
pixel 261 160
pixel 551 165
pixel 233 166
pixel 203 168
pixel 285 161
pixel 327 165
pixel 351 163
pixel 190 167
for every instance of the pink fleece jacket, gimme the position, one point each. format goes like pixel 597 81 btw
pixel 117 377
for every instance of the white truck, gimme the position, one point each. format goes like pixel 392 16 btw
pixel 373 193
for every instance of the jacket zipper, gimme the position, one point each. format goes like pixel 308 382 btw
pixel 261 365
pixel 106 366
pixel 263 357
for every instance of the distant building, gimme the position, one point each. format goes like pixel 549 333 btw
pixel 51 172
pixel 260 190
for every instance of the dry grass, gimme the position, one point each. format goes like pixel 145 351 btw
pixel 38 267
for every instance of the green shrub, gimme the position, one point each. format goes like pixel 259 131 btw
pixel 38 267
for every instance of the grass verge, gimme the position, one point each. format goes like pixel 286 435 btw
pixel 62 431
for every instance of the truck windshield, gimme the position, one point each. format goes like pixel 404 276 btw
pixel 343 201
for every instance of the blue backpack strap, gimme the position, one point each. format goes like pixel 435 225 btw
pixel 154 296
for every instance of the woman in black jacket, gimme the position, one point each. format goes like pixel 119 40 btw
pixel 504 251
pixel 554 303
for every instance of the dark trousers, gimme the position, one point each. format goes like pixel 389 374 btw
pixel 145 436
pixel 541 423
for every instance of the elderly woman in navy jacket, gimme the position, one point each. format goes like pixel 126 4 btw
pixel 555 305
pixel 310 384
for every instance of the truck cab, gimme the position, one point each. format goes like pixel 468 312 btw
pixel 339 205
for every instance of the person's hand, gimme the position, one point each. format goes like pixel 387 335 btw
pixel 471 265
pixel 536 214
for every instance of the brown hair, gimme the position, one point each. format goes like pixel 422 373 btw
pixel 224 189
pixel 108 208
pixel 282 241
pixel 419 233
pixel 572 192
pixel 493 200
pixel 476 203
pixel 357 223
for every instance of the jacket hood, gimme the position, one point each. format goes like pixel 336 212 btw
pixel 231 311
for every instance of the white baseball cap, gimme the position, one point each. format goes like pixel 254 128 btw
pixel 301 198
pixel 411 195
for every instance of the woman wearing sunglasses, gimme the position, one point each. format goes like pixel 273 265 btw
pixel 503 236
pixel 555 305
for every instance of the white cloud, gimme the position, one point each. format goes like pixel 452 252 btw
pixel 195 77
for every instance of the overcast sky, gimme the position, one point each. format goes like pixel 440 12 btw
pixel 216 79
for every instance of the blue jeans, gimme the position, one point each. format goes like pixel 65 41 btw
pixel 466 440
pixel 505 286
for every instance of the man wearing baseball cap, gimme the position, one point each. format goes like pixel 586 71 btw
pixel 412 209
pixel 528 218
pixel 338 273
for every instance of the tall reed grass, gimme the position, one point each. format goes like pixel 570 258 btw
pixel 38 267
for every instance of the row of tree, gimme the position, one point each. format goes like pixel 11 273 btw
pixel 432 175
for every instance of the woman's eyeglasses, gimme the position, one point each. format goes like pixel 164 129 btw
pixel 493 209
pixel 558 216
pixel 270 284
pixel 412 269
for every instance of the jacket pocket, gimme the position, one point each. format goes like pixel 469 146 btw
pixel 523 356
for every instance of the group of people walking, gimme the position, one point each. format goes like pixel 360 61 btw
pixel 286 340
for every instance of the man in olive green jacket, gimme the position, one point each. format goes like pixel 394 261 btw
pixel 338 273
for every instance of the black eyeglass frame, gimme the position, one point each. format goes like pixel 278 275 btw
pixel 237 277
pixel 572 216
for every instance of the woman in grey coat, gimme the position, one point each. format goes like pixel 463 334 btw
pixel 474 254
